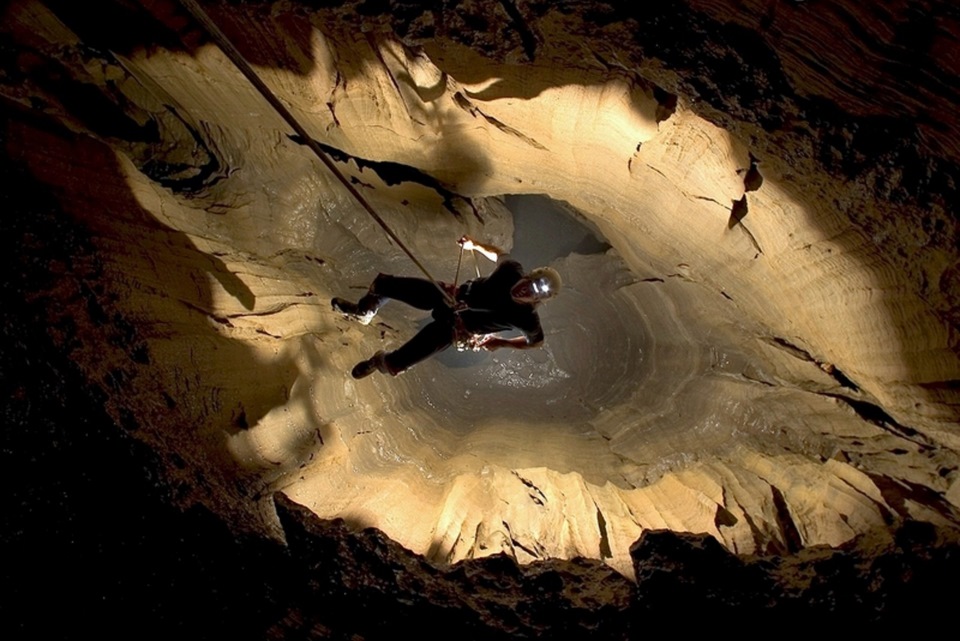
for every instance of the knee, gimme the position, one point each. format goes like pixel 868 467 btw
pixel 380 282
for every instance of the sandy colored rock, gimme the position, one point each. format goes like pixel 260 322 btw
pixel 773 365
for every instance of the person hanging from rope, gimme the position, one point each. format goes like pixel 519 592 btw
pixel 467 315
pixel 505 300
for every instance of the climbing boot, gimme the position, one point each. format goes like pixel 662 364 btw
pixel 365 368
pixel 353 311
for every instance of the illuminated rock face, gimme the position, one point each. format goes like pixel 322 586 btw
pixel 766 353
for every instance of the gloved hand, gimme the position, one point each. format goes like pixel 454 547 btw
pixel 478 342
pixel 469 244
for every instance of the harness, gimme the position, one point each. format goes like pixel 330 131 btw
pixel 463 338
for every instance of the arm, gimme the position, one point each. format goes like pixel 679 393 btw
pixel 520 342
pixel 492 252
pixel 532 337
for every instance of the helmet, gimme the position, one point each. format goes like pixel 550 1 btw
pixel 545 282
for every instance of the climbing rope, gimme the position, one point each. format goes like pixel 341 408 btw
pixel 456 278
pixel 237 58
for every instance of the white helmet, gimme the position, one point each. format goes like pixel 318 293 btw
pixel 545 282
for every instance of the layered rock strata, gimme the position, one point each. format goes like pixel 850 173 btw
pixel 766 352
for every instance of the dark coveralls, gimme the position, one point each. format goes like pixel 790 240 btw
pixel 486 306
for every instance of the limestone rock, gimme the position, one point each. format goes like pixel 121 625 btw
pixel 757 339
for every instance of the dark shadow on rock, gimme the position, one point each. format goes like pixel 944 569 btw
pixel 97 23
pixel 95 524
pixel 62 302
pixel 394 173
pixel 348 569
pixel 125 27
pixel 231 283
pixel 106 280
pixel 90 86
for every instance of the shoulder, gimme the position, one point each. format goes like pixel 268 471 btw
pixel 509 266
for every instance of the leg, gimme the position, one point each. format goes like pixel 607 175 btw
pixel 415 292
pixel 435 337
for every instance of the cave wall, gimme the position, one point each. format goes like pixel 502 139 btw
pixel 198 309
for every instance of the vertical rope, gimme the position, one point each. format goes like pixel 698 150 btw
pixel 237 58
pixel 456 278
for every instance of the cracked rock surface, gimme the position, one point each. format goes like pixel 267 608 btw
pixel 756 341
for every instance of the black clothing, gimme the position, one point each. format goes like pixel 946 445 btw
pixel 486 303
pixel 491 308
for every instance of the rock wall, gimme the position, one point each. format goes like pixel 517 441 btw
pixel 766 352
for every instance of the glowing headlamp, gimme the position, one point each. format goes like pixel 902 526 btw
pixel 541 287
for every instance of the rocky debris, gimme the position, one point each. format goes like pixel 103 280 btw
pixel 868 580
